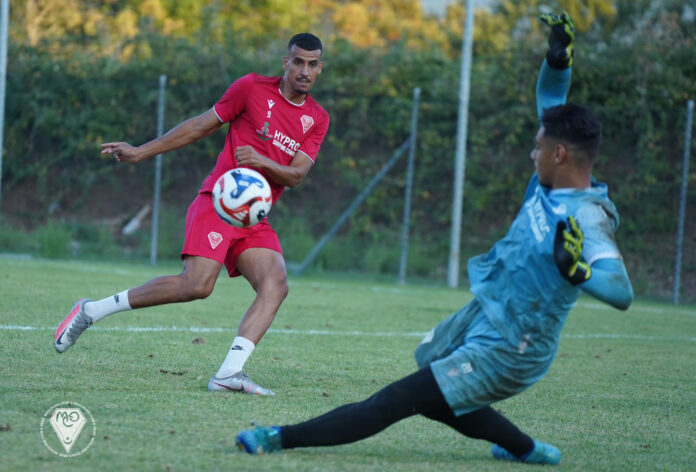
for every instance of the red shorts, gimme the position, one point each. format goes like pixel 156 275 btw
pixel 210 237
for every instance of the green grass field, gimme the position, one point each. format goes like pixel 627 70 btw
pixel 620 396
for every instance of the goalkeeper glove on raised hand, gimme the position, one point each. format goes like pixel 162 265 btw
pixel 567 252
pixel 561 39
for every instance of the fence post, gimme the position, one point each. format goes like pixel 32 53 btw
pixel 4 44
pixel 682 202
pixel 408 191
pixel 460 152
pixel 158 173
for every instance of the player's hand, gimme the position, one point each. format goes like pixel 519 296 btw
pixel 561 39
pixel 248 157
pixel 123 152
pixel 567 252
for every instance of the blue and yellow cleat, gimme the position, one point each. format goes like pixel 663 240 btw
pixel 261 440
pixel 542 453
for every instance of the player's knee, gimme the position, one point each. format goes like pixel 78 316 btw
pixel 196 289
pixel 200 291
pixel 275 285
pixel 283 288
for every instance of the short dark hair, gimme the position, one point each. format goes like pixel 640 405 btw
pixel 576 125
pixel 306 41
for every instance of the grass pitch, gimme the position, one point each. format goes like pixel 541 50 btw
pixel 620 396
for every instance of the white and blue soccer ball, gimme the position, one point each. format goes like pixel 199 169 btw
pixel 242 197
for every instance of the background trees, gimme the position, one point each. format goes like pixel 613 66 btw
pixel 82 72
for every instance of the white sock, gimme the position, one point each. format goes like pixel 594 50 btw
pixel 236 357
pixel 100 309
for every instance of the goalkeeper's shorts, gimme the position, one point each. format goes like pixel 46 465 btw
pixel 474 366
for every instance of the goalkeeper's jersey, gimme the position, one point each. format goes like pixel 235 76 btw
pixel 518 284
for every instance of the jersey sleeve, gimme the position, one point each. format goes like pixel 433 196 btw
pixel 233 101
pixel 598 230
pixel 552 87
pixel 312 143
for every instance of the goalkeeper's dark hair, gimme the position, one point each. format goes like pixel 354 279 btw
pixel 306 41
pixel 574 124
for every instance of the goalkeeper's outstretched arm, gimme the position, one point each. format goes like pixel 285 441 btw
pixel 605 279
pixel 610 283
pixel 555 74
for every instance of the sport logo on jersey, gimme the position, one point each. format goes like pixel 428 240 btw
pixel 307 122
pixel 537 218
pixel 285 143
pixel 263 134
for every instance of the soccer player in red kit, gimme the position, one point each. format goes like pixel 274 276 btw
pixel 276 128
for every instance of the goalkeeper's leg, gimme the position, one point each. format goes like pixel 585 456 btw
pixel 417 393
pixel 348 423
pixel 489 425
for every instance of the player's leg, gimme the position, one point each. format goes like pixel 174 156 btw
pixel 196 280
pixel 265 270
pixel 418 393
pixel 509 443
pixel 205 247
pixel 489 425
pixel 481 371
pixel 411 395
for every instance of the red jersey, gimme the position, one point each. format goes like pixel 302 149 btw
pixel 261 116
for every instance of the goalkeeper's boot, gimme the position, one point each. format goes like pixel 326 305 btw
pixel 260 440
pixel 72 326
pixel 542 453
pixel 238 382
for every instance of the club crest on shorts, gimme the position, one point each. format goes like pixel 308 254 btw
pixel 307 122
pixel 215 239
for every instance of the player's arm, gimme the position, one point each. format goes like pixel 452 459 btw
pixel 183 134
pixel 605 279
pixel 289 175
pixel 555 74
pixel 610 283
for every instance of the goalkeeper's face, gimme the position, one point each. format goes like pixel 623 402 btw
pixel 543 156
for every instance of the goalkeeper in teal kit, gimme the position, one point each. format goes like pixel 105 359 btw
pixel 504 341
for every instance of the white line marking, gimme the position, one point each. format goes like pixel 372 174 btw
pixel 640 337
pixel 639 308
pixel 315 332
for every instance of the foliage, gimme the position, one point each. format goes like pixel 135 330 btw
pixel 13 240
pixel 54 239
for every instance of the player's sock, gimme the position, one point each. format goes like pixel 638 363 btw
pixel 236 357
pixel 100 309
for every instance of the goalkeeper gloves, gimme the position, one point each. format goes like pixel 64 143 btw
pixel 567 252
pixel 561 39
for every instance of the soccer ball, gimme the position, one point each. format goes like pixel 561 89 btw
pixel 242 197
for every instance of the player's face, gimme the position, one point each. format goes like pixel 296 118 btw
pixel 301 69
pixel 543 157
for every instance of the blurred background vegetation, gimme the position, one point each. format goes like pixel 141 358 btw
pixel 83 72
